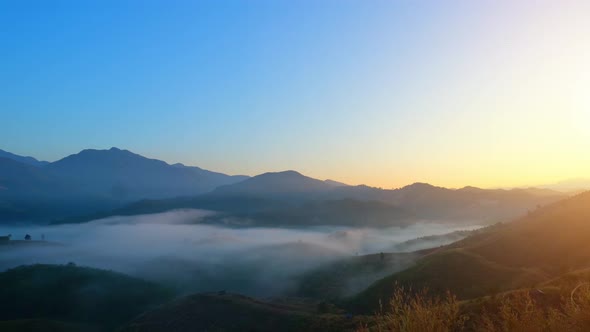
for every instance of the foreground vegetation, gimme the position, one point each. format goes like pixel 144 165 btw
pixel 522 310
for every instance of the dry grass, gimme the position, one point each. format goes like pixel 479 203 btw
pixel 416 311
pixel 518 311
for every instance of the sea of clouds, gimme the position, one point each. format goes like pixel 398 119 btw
pixel 173 248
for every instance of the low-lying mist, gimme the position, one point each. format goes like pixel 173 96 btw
pixel 173 248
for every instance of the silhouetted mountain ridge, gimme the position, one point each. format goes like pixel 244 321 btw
pixel 23 159
pixel 129 176
pixel 103 179
pixel 275 183
pixel 291 199
pixel 94 180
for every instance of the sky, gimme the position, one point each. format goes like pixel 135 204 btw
pixel 384 93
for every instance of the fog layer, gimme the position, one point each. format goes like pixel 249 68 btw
pixel 173 249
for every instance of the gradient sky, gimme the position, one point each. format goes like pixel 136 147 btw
pixel 486 93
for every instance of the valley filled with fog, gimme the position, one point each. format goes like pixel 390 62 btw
pixel 174 249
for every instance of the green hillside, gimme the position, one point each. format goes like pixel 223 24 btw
pixel 45 325
pixel 74 294
pixel 348 276
pixel 230 312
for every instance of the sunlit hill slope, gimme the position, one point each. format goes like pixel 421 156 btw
pixel 546 243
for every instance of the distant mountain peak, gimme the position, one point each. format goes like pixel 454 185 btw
pixel 419 185
pixel 102 154
pixel 280 173
pixel 284 182
pixel 471 189
pixel 132 176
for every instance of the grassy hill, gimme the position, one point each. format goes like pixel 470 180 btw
pixel 230 312
pixel 430 241
pixel 77 295
pixel 346 277
pixel 543 245
pixel 45 325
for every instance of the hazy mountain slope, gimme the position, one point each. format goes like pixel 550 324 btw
pixel 431 241
pixel 571 185
pixel 351 275
pixel 487 205
pixel 259 211
pixel 18 179
pixel 335 183
pixel 289 198
pixel 30 193
pixel 540 246
pixel 243 206
pixel 430 202
pixel 346 212
pixel 124 175
pixel 25 160
pixel 223 179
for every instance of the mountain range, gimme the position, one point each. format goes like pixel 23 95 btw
pixel 94 180
pixel 290 198
pixel 571 185
pixel 100 183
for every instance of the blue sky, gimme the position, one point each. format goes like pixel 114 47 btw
pixel 377 92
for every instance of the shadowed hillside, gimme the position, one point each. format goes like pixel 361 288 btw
pixel 45 325
pixel 68 293
pixel 230 312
